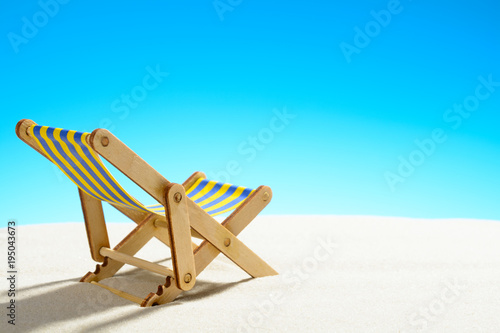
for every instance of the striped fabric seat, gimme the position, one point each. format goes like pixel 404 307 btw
pixel 215 198
pixel 71 153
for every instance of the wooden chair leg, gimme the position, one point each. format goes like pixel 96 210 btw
pixel 176 211
pixel 95 225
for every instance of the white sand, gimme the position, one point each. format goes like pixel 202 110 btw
pixel 383 275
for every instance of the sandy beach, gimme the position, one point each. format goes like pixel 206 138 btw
pixel 337 274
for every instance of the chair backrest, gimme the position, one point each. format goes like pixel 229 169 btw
pixel 70 152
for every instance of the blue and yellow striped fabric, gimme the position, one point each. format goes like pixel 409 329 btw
pixel 215 198
pixel 70 151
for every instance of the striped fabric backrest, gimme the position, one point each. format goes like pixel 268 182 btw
pixel 70 151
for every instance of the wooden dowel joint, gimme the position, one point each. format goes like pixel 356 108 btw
pixel 177 197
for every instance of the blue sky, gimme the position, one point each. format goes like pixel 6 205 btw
pixel 325 102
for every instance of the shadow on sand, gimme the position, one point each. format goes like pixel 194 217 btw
pixel 41 306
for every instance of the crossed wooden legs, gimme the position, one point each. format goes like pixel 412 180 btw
pixel 218 238
pixel 205 253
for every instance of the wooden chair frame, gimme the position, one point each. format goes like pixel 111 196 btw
pixel 183 219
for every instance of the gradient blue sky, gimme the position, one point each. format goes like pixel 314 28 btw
pixel 231 68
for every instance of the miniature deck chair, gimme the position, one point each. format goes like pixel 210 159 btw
pixel 182 211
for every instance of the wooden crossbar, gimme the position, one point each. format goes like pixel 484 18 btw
pixel 137 262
